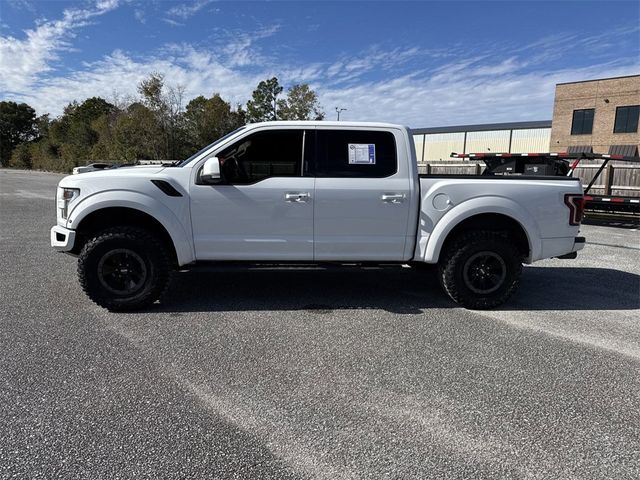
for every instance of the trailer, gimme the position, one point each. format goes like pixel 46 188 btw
pixel 559 164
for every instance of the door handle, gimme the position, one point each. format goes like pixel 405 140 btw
pixel 393 197
pixel 297 197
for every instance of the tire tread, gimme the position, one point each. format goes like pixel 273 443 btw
pixel 452 257
pixel 162 265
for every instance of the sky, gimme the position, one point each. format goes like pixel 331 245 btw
pixel 421 64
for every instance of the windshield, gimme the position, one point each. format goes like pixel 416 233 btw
pixel 195 155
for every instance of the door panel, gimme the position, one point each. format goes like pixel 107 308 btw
pixel 361 205
pixel 353 222
pixel 264 208
pixel 253 222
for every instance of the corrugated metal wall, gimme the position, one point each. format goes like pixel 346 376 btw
pixel 531 140
pixel 432 147
pixel 490 141
pixel 438 146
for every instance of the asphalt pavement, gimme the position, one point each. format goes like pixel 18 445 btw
pixel 316 372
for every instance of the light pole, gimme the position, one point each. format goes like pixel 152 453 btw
pixel 338 110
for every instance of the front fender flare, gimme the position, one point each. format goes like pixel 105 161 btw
pixel 144 203
pixel 477 206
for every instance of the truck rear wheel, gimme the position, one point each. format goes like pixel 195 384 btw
pixel 124 268
pixel 481 269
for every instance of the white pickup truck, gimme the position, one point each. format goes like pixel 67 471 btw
pixel 311 192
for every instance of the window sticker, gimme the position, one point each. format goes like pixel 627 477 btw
pixel 362 153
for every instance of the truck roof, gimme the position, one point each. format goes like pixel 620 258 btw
pixel 325 123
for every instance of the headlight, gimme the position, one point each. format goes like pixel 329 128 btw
pixel 65 197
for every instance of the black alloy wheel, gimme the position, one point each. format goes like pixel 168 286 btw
pixel 484 272
pixel 124 268
pixel 480 269
pixel 122 271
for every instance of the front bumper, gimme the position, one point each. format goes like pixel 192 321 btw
pixel 62 239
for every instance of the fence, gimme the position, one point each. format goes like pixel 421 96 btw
pixel 617 178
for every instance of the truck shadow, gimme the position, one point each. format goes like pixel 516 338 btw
pixel 322 290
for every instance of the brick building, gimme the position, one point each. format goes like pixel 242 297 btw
pixel 599 116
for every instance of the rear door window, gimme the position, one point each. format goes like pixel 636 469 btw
pixel 355 153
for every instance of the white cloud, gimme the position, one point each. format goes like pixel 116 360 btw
pixel 198 71
pixel 376 58
pixel 460 98
pixel 172 22
pixel 106 5
pixel 22 60
pixel 241 49
pixel 410 85
pixel 22 5
pixel 493 85
pixel 140 15
pixel 506 66
pixel 187 10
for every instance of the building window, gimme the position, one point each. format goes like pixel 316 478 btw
pixel 627 119
pixel 582 122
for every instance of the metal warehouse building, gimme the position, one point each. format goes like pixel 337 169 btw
pixel 436 144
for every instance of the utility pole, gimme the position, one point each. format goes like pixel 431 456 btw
pixel 338 110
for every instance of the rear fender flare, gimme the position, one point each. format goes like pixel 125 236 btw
pixel 477 206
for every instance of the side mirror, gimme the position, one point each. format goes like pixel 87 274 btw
pixel 211 171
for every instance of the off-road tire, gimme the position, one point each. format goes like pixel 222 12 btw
pixel 459 258
pixel 143 249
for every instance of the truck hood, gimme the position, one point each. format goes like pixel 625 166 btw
pixel 114 174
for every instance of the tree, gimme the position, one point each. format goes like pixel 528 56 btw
pixel 263 105
pixel 167 105
pixel 44 156
pixel 18 124
pixel 21 157
pixel 138 135
pixel 207 119
pixel 151 91
pixel 73 134
pixel 301 104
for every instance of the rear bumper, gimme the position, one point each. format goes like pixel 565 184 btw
pixel 563 247
pixel 62 239
pixel 578 244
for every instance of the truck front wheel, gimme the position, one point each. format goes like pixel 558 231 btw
pixel 480 269
pixel 124 268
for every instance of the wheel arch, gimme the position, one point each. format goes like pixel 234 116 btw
pixel 498 222
pixel 497 214
pixel 111 216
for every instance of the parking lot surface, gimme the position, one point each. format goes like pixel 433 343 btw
pixel 315 372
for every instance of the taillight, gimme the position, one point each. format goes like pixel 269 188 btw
pixel 576 207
